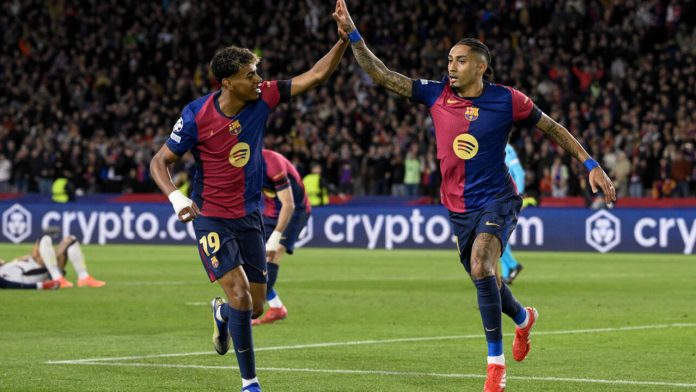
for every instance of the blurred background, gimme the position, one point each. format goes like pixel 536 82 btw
pixel 91 89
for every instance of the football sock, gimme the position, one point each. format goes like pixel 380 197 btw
pixel 246 383
pixel 271 295
pixel 239 325
pixel 48 255
pixel 275 301
pixel 223 312
pixel 522 318
pixel 490 308
pixel 510 306
pixel 77 259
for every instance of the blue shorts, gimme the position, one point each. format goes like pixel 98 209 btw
pixel 498 218
pixel 292 232
pixel 225 244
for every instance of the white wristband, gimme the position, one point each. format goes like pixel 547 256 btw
pixel 273 241
pixel 179 201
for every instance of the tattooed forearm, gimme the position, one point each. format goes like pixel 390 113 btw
pixel 562 137
pixel 379 73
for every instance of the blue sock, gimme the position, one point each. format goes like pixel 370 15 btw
pixel 509 304
pixel 521 316
pixel 225 311
pixel 272 277
pixel 239 325
pixel 490 308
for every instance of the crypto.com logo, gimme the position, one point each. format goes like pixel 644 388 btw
pixel 603 231
pixel 16 223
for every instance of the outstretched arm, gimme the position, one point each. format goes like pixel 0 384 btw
pixel 561 136
pixel 320 72
pixel 373 66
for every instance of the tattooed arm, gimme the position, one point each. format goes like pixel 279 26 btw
pixel 373 66
pixel 561 136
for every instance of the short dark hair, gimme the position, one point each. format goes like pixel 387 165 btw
pixel 480 48
pixel 228 61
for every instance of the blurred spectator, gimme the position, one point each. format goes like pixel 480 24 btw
pixel 559 178
pixel 315 187
pixel 620 173
pixel 413 169
pixel 95 89
pixel 5 173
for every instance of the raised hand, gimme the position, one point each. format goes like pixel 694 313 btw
pixel 343 19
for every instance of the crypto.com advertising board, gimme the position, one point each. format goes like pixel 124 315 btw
pixel 561 229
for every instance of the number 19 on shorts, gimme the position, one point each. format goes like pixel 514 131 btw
pixel 210 243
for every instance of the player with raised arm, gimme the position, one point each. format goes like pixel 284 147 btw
pixel 472 120
pixel 224 131
pixel 285 214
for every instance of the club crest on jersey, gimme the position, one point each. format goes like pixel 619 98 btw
pixel 471 113
pixel 465 146
pixel 214 261
pixel 235 128
pixel 239 155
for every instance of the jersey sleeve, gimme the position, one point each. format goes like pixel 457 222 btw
pixel 184 135
pixel 426 91
pixel 277 174
pixel 524 111
pixel 275 92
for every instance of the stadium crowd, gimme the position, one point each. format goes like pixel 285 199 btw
pixel 92 88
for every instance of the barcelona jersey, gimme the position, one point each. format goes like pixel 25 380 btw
pixel 229 165
pixel 471 134
pixel 281 174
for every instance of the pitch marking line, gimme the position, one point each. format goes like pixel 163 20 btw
pixel 395 373
pixel 364 342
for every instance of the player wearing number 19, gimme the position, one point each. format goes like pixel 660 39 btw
pixel 224 131
pixel 472 120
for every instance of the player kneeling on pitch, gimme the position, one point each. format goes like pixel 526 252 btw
pixel 44 268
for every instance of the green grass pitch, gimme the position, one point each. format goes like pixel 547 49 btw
pixel 358 321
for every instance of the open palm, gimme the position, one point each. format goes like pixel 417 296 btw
pixel 342 17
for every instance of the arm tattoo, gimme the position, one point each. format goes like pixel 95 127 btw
pixel 379 73
pixel 562 137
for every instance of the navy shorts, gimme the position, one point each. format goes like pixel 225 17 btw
pixel 498 218
pixel 292 232
pixel 225 244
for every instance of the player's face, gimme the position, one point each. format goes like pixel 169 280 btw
pixel 245 84
pixel 464 67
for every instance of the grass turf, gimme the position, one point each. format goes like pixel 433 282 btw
pixel 401 321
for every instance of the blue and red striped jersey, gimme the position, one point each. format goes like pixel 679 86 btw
pixel 229 164
pixel 471 134
pixel 281 174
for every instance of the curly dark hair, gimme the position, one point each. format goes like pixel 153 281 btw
pixel 480 48
pixel 228 61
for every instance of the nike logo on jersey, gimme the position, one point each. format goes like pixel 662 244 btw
pixel 489 223
pixel 451 101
